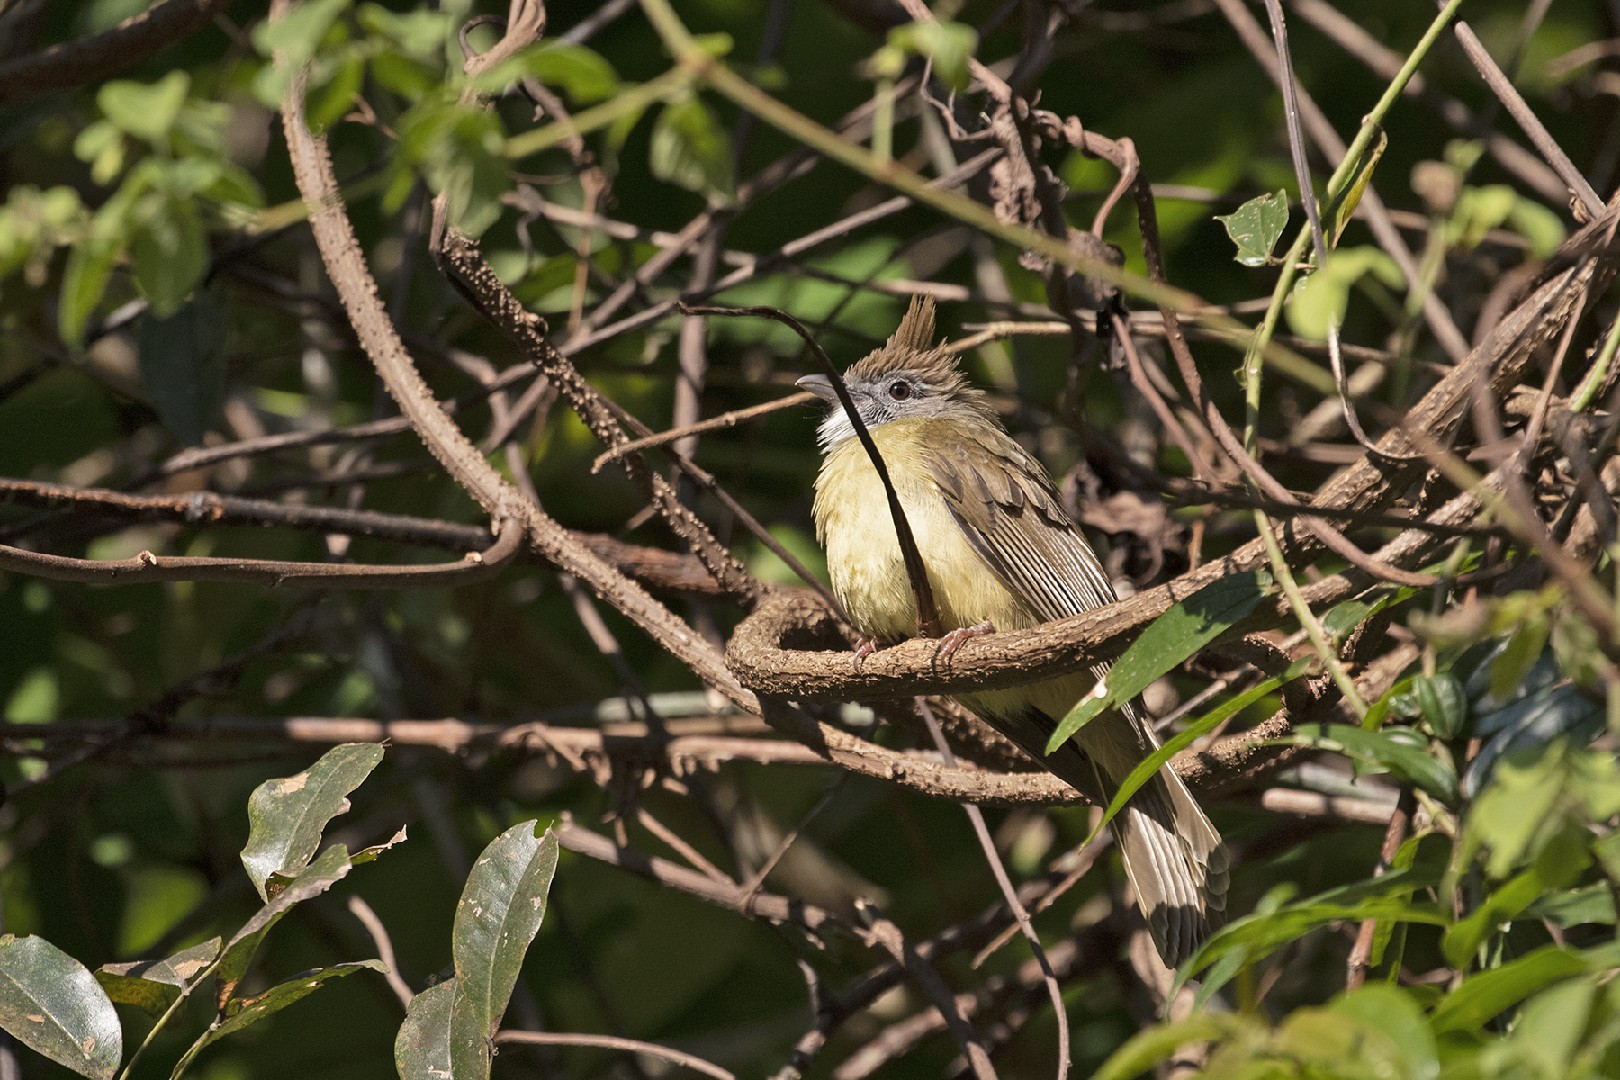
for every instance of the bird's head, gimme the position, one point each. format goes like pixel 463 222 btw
pixel 909 377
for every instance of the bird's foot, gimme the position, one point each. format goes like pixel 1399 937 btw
pixel 865 645
pixel 954 640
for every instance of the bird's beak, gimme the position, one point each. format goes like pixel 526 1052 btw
pixel 819 385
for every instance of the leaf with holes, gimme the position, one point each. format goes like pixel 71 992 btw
pixel 286 817
pixel 153 985
pixel 1256 226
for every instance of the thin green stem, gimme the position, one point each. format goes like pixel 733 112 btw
pixel 1307 618
pixel 168 1014
pixel 1599 372
pixel 670 84
pixel 1337 188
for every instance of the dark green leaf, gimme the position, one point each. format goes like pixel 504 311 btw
pixel 240 1013
pixel 243 1012
pixel 183 366
pixel 153 985
pixel 1256 226
pixel 51 1004
pixel 691 149
pixel 168 252
pixel 422 1048
pixel 1441 703
pixel 1194 731
pixel 1411 763
pixel 327 869
pixel 286 817
pixel 499 914
pixel 1180 632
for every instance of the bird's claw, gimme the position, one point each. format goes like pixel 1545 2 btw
pixel 954 640
pixel 865 646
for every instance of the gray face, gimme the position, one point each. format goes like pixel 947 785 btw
pixel 898 395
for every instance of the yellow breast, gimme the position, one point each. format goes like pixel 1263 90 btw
pixel 863 554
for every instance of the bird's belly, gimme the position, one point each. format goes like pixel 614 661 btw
pixel 869 575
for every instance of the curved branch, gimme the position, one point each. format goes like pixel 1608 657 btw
pixel 75 63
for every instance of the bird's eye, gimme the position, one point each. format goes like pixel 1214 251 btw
pixel 900 390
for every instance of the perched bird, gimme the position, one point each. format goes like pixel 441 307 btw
pixel 1001 554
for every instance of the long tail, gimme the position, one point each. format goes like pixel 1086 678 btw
pixel 1176 864
pixel 1173 856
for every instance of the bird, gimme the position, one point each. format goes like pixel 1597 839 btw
pixel 1001 553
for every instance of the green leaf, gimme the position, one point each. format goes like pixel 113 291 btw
pixel 168 251
pixel 584 75
pixel 1513 663
pixel 286 817
pixel 1441 703
pixel 420 34
pixel 1488 994
pixel 458 150
pixel 1542 228
pixel 1512 809
pixel 1411 763
pixel 1148 1048
pixel 329 868
pixel 1518 893
pixel 145 110
pixel 241 1013
pixel 153 985
pixel 298 33
pixel 1590 904
pixel 1386 898
pixel 245 1012
pixel 422 1047
pixel 1344 206
pixel 1549 1029
pixel 1321 300
pixel 1256 226
pixel 691 149
pixel 331 96
pixel 1180 632
pixel 84 281
pixel 949 45
pixel 1150 766
pixel 1393 1012
pixel 182 366
pixel 499 914
pixel 1332 1039
pixel 51 1004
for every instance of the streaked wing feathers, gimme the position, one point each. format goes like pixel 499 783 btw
pixel 1013 517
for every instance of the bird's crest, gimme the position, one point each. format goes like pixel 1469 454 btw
pixel 911 348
